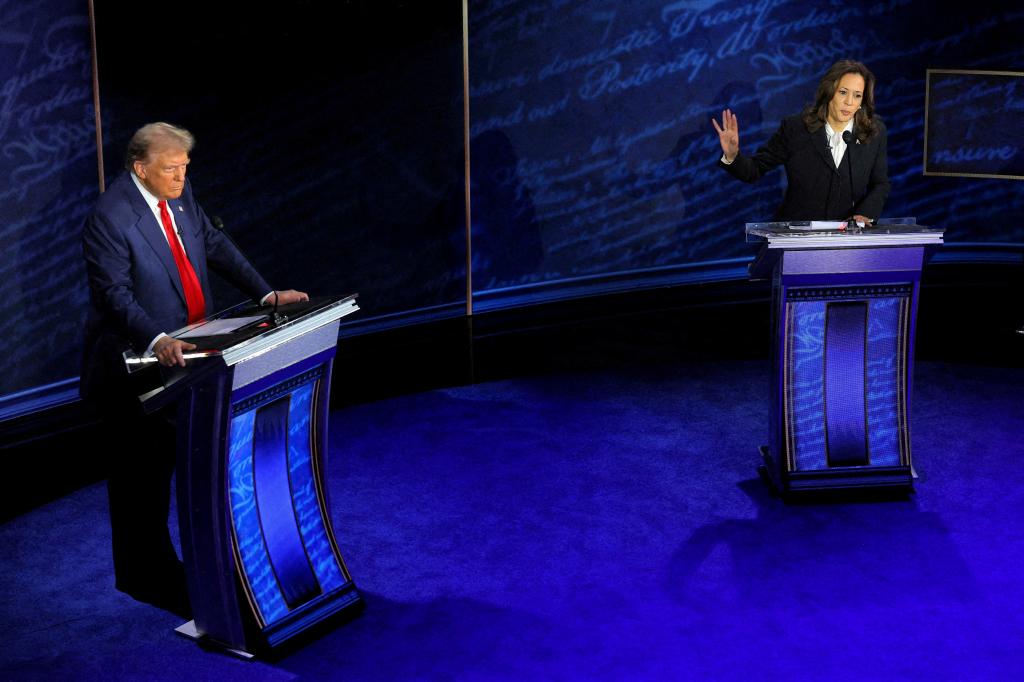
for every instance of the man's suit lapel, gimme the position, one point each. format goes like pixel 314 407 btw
pixel 147 225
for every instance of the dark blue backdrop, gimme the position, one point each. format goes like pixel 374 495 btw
pixel 331 141
pixel 591 126
pixel 48 184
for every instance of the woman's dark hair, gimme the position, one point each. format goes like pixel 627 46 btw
pixel 864 125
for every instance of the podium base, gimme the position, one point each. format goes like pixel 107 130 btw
pixel 189 630
pixel 898 479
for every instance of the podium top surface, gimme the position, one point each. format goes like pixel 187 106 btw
pixel 259 330
pixel 834 234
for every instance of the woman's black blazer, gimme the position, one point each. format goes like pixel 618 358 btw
pixel 817 190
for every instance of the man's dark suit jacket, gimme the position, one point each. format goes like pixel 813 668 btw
pixel 817 190
pixel 135 292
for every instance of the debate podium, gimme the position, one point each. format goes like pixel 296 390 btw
pixel 261 560
pixel 843 316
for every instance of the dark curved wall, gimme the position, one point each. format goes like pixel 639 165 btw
pixel 330 140
pixel 48 184
pixel 592 125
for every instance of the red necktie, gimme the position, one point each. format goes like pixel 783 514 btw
pixel 189 281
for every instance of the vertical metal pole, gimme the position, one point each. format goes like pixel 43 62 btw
pixel 465 142
pixel 96 98
pixel 466 175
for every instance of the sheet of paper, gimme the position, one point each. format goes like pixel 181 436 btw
pixel 819 225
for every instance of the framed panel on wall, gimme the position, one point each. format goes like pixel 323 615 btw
pixel 972 124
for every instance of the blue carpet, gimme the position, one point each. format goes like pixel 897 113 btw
pixel 604 525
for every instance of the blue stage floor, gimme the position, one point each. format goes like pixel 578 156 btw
pixel 602 525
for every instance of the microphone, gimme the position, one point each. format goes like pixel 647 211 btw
pixel 219 224
pixel 849 139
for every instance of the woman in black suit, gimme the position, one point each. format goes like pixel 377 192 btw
pixel 831 176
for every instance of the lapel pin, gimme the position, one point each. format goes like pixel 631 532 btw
pixel 180 209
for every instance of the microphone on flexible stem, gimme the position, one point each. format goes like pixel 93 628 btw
pixel 219 224
pixel 850 140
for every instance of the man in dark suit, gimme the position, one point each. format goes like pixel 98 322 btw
pixel 148 248
pixel 834 152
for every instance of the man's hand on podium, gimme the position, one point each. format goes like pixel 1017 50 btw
pixel 171 351
pixel 286 297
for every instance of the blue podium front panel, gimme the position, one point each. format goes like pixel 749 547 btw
pixel 805 394
pixel 845 377
pixel 307 495
pixel 287 556
pixel 844 301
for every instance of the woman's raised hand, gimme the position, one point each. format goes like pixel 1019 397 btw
pixel 728 135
